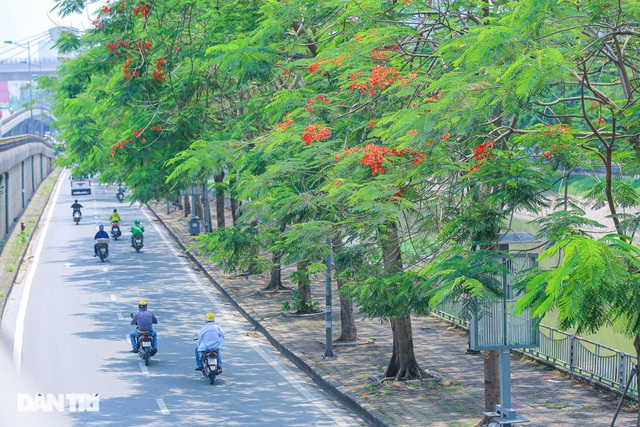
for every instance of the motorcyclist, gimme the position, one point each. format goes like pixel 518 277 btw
pixel 76 207
pixel 101 234
pixel 211 337
pixel 137 230
pixel 145 320
pixel 115 216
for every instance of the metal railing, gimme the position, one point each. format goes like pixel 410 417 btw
pixel 601 364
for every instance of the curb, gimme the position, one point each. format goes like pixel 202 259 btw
pixel 367 412
pixel 27 246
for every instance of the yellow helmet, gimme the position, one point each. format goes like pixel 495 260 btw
pixel 142 304
pixel 210 317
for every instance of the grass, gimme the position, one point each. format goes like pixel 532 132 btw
pixel 560 405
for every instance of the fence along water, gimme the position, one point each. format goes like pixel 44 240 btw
pixel 581 357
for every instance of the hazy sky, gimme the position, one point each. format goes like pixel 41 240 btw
pixel 21 20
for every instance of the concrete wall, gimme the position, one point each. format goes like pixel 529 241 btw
pixel 22 169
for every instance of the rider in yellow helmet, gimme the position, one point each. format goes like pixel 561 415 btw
pixel 211 337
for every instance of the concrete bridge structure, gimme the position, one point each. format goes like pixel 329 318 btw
pixel 25 161
pixel 33 121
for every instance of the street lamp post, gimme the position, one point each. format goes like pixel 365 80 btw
pixel 30 75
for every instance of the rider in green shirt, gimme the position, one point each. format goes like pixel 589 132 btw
pixel 136 230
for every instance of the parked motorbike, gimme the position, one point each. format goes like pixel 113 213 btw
pixel 120 197
pixel 77 216
pixel 145 349
pixel 137 243
pixel 115 231
pixel 103 248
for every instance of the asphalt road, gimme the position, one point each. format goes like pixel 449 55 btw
pixel 65 335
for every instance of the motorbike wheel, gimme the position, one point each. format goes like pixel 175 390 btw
pixel 146 358
pixel 212 377
pixel 137 248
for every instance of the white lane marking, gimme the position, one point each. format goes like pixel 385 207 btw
pixel 67 264
pixel 339 419
pixel 22 310
pixel 143 368
pixel 105 269
pixel 113 298
pixel 163 407
pixel 120 317
pixel 109 284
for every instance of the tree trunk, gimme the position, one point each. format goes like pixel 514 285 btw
pixel 304 287
pixel 275 283
pixel 636 345
pixel 403 364
pixel 235 204
pixel 348 331
pixel 218 178
pixel 199 208
pixel 491 383
pixel 207 207
pixel 187 205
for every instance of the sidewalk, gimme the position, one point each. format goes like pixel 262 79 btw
pixel 13 247
pixel 544 396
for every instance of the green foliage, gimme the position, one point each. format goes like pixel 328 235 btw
pixel 588 286
pixel 233 248
pixel 296 304
pixel 388 295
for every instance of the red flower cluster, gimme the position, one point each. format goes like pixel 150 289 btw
pixel 315 133
pixel 383 53
pixel 127 74
pixel 157 73
pixel 309 108
pixel 374 156
pixel 372 122
pixel 313 67
pixel 380 78
pixel 138 132
pixel 120 145
pixel 141 9
pixel 480 152
pixel 287 121
pixel 600 121
pixel 554 148
pixel 557 128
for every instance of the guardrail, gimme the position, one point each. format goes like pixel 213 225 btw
pixel 16 141
pixel 581 357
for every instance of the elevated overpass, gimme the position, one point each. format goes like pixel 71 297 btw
pixel 35 121
pixel 25 161
pixel 25 69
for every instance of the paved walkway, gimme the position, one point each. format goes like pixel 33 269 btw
pixel 545 396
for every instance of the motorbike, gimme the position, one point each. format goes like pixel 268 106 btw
pixel 145 349
pixel 77 216
pixel 137 243
pixel 115 231
pixel 210 368
pixel 120 197
pixel 103 248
